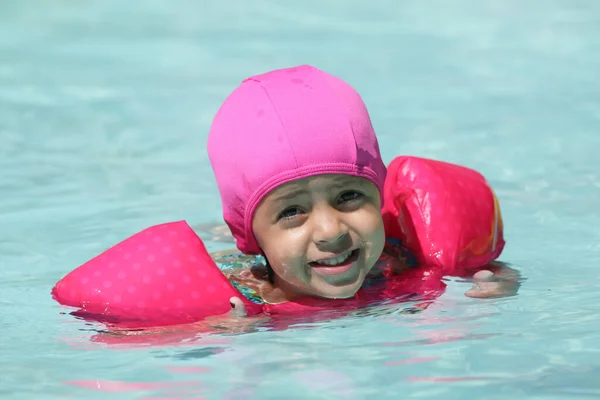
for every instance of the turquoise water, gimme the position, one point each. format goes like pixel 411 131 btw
pixel 104 113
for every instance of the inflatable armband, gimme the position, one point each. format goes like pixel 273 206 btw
pixel 162 275
pixel 446 214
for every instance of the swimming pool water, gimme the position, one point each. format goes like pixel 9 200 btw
pixel 104 112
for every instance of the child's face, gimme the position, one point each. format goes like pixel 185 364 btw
pixel 321 234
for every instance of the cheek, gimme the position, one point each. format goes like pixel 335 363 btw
pixel 371 229
pixel 289 264
pixel 371 222
pixel 378 239
pixel 286 250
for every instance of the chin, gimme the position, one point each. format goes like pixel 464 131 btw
pixel 344 290
pixel 341 293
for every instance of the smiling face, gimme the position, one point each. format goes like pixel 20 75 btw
pixel 321 234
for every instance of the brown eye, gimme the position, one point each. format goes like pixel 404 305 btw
pixel 288 213
pixel 349 196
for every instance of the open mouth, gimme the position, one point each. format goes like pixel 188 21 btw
pixel 336 265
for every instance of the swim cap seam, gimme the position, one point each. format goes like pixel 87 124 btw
pixel 344 112
pixel 291 148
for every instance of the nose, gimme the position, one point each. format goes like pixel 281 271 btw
pixel 329 227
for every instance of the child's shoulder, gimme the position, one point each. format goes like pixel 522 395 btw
pixel 394 260
pixel 395 249
pixel 245 272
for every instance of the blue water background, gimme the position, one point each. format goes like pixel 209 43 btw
pixel 105 107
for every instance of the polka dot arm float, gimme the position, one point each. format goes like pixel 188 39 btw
pixel 160 276
pixel 446 214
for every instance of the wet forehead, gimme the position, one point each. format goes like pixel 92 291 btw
pixel 319 183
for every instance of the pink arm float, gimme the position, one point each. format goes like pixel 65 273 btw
pixel 446 214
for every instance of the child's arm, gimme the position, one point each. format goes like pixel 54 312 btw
pixel 449 216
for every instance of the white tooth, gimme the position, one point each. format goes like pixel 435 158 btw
pixel 337 260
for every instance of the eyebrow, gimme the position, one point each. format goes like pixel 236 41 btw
pixel 287 194
pixel 338 182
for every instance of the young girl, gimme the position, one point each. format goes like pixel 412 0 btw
pixel 300 176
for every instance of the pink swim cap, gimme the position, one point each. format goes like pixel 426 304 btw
pixel 285 125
